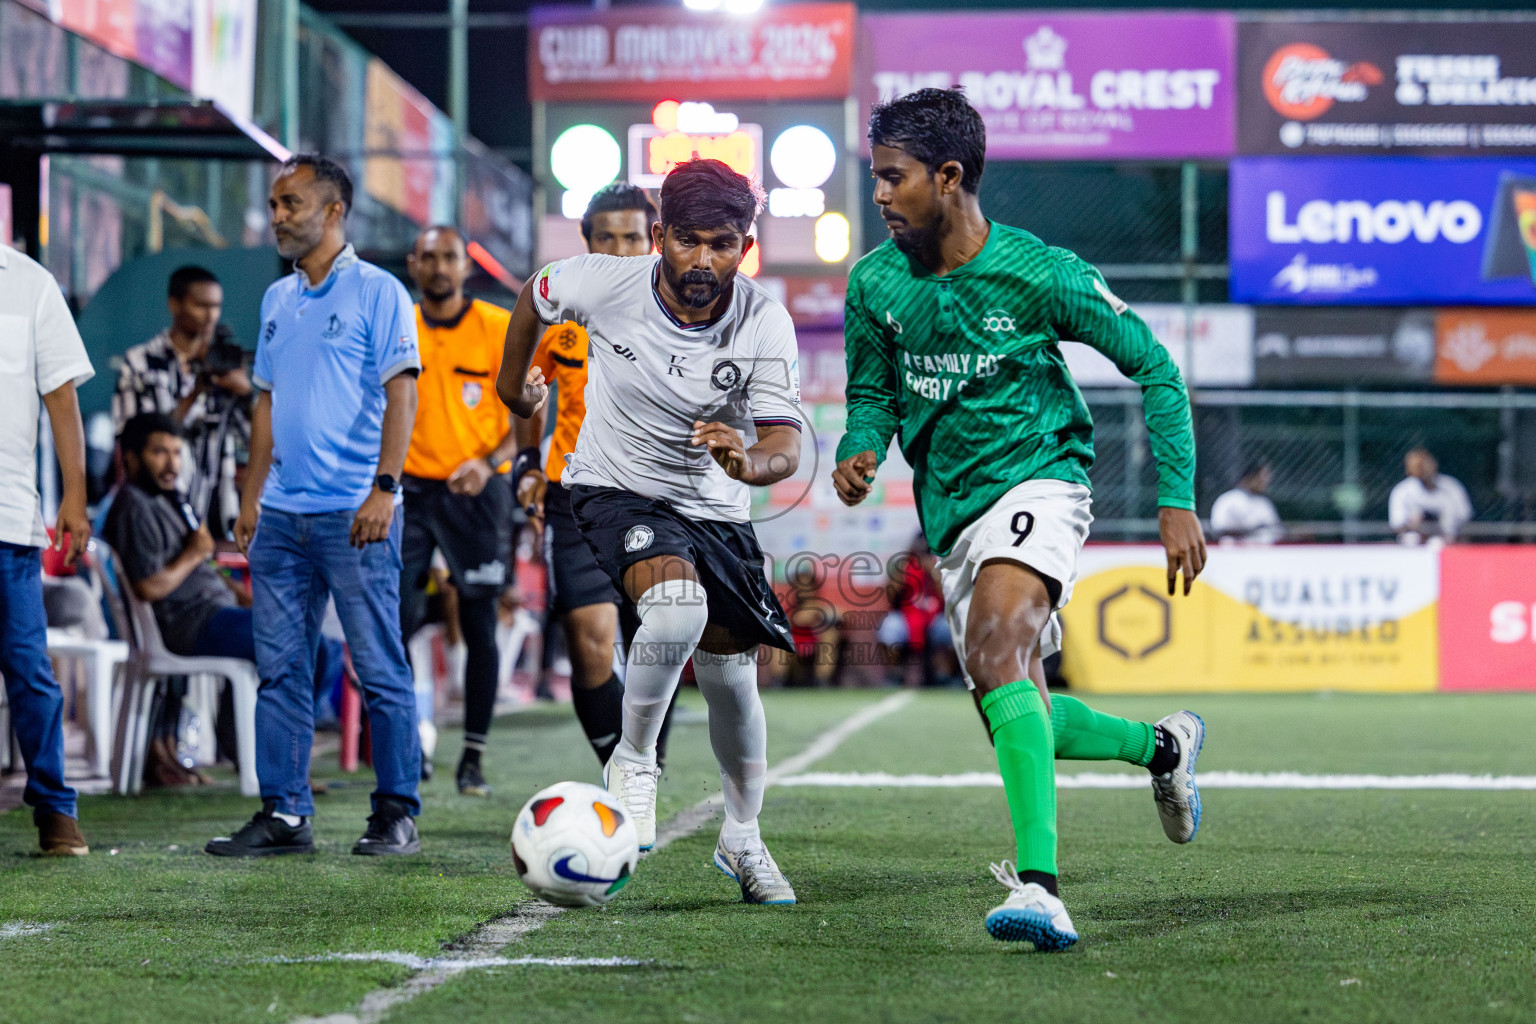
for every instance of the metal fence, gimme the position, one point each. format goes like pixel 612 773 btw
pixel 1335 456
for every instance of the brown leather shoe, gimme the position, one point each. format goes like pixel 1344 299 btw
pixel 59 835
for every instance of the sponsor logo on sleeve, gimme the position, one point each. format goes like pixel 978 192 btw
pixel 1115 302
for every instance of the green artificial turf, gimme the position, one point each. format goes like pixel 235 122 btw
pixel 1291 905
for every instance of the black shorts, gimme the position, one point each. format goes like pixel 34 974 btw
pixel 473 533
pixel 575 578
pixel 624 528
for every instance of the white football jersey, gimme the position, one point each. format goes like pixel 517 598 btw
pixel 650 376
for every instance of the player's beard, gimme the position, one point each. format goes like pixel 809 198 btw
pixel 297 239
pixel 697 288
pixel 921 243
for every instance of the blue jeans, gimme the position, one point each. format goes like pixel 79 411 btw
pixel 295 561
pixel 231 634
pixel 37 703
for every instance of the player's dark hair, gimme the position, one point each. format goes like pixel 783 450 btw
pixel 1254 468
pixel 934 126
pixel 183 278
pixel 705 194
pixel 617 197
pixel 327 170
pixel 138 429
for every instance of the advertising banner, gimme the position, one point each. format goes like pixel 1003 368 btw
pixel 1488 617
pixel 1286 618
pixel 418 181
pixel 224 54
pixel 1383 231
pixel 1343 345
pixel 1053 85
pixel 1223 347
pixel 1426 87
pixel 163 38
pixel 800 51
pixel 1486 346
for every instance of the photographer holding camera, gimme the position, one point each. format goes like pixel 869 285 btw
pixel 194 372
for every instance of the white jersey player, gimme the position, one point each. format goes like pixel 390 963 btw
pixel 687 361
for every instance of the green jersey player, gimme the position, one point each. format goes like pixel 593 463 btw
pixel 952 331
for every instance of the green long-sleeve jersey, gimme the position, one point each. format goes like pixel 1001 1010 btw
pixel 965 369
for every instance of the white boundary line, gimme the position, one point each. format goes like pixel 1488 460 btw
pixel 479 949
pixel 1207 780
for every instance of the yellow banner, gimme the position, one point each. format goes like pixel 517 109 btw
pixel 1360 617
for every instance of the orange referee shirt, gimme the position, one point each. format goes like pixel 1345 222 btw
pixel 458 413
pixel 562 355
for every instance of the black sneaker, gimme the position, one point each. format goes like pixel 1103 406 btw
pixel 471 782
pixel 391 830
pixel 265 835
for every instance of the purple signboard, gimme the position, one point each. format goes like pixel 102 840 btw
pixel 163 38
pixel 1068 86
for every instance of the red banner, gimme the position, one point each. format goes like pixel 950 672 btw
pixel 795 52
pixel 1488 617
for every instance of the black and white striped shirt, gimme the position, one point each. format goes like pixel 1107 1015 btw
pixel 216 429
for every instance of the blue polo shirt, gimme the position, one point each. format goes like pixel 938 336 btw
pixel 325 354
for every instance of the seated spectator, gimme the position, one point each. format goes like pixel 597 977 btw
pixel 814 624
pixel 915 633
pixel 1427 504
pixel 165 553
pixel 1245 515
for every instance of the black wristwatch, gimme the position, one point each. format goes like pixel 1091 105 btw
pixel 386 483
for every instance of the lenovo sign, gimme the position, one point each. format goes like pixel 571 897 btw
pixel 1380 231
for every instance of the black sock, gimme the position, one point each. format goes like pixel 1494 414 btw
pixel 470 756
pixel 600 710
pixel 1043 879
pixel 478 620
pixel 1165 757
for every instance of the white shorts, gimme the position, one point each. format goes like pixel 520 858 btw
pixel 1041 524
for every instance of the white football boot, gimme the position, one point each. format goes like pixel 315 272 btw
pixel 1178 798
pixel 753 868
pixel 1029 914
pixel 633 784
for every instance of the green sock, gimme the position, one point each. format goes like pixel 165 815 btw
pixel 1021 735
pixel 1083 734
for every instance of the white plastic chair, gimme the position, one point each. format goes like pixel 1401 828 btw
pixel 148 662
pixel 99 660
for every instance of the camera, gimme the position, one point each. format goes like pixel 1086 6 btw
pixel 224 354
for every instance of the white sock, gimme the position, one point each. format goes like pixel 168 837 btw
pixel 291 820
pixel 738 732
pixel 672 618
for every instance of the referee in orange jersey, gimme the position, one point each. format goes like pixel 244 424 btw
pixel 457 498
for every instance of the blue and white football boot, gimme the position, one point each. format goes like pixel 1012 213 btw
pixel 1177 796
pixel 1029 914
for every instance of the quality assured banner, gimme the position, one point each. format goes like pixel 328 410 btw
pixel 1383 231
pixel 1052 85
pixel 1428 87
pixel 1287 618
pixel 624 54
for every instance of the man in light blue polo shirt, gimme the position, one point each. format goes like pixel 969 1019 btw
pixel 336 367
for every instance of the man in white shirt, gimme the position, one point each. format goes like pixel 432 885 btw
pixel 1245 515
pixel 1427 503
pixel 41 357
pixel 687 360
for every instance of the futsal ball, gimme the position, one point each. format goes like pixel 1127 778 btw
pixel 573 845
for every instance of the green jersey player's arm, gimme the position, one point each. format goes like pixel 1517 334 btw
pixel 1085 310
pixel 873 410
